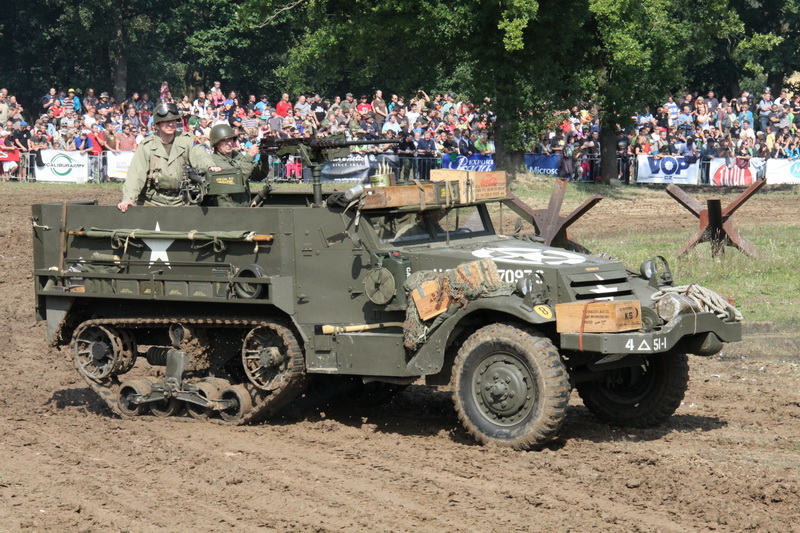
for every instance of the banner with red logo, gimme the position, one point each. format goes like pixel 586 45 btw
pixel 9 155
pixel 735 172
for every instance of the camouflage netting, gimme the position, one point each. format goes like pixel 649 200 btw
pixel 460 285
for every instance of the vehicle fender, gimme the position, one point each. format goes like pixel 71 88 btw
pixel 429 358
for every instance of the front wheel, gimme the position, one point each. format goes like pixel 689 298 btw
pixel 510 387
pixel 641 396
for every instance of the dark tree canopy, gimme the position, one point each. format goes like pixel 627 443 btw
pixel 528 57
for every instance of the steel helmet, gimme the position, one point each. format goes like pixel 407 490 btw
pixel 165 112
pixel 220 132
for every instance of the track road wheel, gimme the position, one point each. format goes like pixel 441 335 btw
pixel 209 390
pixel 101 352
pixel 243 404
pixel 166 407
pixel 510 387
pixel 642 396
pixel 129 390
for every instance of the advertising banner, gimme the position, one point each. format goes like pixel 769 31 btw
pixel 783 171
pixel 356 168
pixel 478 163
pixel 62 166
pixel 7 154
pixel 667 169
pixel 118 164
pixel 542 164
pixel 728 172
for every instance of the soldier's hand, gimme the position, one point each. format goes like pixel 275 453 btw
pixel 123 206
pixel 214 169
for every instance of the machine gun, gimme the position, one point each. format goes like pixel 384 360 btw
pixel 315 153
pixel 193 187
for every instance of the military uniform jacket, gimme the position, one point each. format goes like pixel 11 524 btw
pixel 249 171
pixel 154 177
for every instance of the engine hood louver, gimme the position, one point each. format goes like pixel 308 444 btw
pixel 596 285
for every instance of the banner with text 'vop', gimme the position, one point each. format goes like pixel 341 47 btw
pixel 62 166
pixel 667 169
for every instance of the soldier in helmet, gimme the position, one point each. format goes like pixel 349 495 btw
pixel 157 167
pixel 240 164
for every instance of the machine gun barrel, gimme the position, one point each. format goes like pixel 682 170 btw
pixel 315 152
pixel 271 145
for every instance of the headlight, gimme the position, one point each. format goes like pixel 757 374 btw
pixel 657 269
pixel 524 285
pixel 648 268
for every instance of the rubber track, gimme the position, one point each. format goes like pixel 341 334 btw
pixel 265 403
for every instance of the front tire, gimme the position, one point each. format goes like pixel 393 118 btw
pixel 510 387
pixel 642 396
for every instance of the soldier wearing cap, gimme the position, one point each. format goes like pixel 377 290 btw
pixel 238 168
pixel 349 104
pixel 157 167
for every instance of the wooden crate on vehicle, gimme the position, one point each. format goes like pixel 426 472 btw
pixel 431 299
pixel 411 195
pixel 607 316
pixel 474 185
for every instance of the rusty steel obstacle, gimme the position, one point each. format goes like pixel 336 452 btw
pixel 716 224
pixel 549 224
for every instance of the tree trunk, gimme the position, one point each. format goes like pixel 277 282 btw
pixel 121 65
pixel 510 161
pixel 775 81
pixel 609 168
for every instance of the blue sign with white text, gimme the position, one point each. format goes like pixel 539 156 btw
pixel 542 164
pixel 477 163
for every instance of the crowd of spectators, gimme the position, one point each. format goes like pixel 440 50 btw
pixel 695 127
pixel 427 127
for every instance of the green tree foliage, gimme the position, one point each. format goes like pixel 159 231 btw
pixel 134 45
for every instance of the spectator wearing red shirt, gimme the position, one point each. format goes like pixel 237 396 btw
pixel 282 108
pixel 58 112
pixel 364 108
pixel 97 142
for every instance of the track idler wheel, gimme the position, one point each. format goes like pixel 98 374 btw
pixel 129 395
pixel 102 352
pixel 208 390
pixel 242 404
pixel 166 407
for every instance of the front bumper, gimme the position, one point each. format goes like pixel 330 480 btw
pixel 687 332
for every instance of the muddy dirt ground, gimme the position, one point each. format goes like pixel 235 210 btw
pixel 728 460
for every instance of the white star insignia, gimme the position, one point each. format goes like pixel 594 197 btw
pixel 158 249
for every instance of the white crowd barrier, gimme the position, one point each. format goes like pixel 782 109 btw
pixel 74 167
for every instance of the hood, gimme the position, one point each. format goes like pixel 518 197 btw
pixel 507 253
pixel 582 276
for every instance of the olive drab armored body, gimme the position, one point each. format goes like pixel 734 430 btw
pixel 231 312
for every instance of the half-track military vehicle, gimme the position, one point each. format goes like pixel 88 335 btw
pixel 229 312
